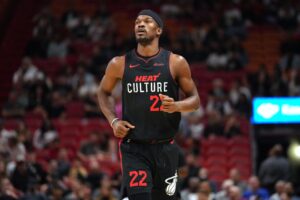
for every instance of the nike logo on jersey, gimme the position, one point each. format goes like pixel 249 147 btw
pixel 158 64
pixel 134 66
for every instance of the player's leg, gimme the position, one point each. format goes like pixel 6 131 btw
pixel 165 180
pixel 137 177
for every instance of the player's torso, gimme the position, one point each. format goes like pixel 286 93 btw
pixel 143 80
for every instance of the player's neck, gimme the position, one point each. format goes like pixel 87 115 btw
pixel 148 50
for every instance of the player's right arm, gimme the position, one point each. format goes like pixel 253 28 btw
pixel 114 73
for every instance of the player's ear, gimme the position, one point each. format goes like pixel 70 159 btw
pixel 159 31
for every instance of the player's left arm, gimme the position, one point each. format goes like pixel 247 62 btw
pixel 182 74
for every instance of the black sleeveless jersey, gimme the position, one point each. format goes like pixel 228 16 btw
pixel 143 81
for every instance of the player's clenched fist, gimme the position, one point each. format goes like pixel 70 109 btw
pixel 168 104
pixel 121 128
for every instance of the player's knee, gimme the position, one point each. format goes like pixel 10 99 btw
pixel 140 196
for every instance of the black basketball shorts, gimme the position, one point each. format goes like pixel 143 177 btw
pixel 150 168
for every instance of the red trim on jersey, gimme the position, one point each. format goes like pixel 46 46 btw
pixel 120 155
pixel 146 61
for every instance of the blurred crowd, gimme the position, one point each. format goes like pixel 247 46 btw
pixel 83 44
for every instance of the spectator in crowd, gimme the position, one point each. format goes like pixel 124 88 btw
pixel 205 191
pixel 58 47
pixel 260 82
pixel 95 175
pixel 191 191
pixel 36 170
pixel 279 189
pixel 24 135
pixel 225 192
pixel 235 176
pixel 56 106
pixel 8 191
pixel 235 193
pixel 255 191
pixel 294 83
pixel 203 176
pixel 214 126
pixel 13 108
pixel 84 82
pixel 78 171
pixel 274 168
pixel 45 136
pixel 27 74
pixel 289 191
pixel 232 127
pixel 63 163
pixel 20 176
pixel 13 150
pixel 106 191
pixel 5 133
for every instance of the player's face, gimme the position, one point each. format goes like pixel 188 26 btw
pixel 146 29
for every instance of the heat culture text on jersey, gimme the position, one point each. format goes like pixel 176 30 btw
pixel 147 84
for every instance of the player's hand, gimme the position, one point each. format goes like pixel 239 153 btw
pixel 121 128
pixel 168 104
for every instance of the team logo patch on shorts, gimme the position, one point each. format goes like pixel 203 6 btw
pixel 171 181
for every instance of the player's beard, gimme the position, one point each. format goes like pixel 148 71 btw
pixel 144 41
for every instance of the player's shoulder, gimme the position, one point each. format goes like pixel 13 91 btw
pixel 117 61
pixel 115 66
pixel 177 60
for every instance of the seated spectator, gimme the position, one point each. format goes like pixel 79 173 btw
pixel 214 126
pixel 195 127
pixel 289 61
pixel 232 127
pixel 63 163
pixel 20 176
pixel 78 190
pixel 12 150
pixel 45 136
pixel 5 133
pixel 191 191
pixel 56 105
pixel 8 191
pixel 83 82
pixel 58 47
pixel 96 147
pixel 279 189
pixel 203 176
pixel 24 136
pixel 91 106
pixel 36 170
pixel 235 193
pixel 260 82
pixel 243 106
pixel 95 175
pixel 255 191
pixel 289 191
pixel 13 108
pixel 235 176
pixel 205 191
pixel 294 83
pixel 78 171
pixel 224 194
pixel 27 73
pixel 106 191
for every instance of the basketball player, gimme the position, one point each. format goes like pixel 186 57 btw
pixel 151 77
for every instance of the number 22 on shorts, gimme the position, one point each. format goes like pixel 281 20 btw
pixel 142 174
